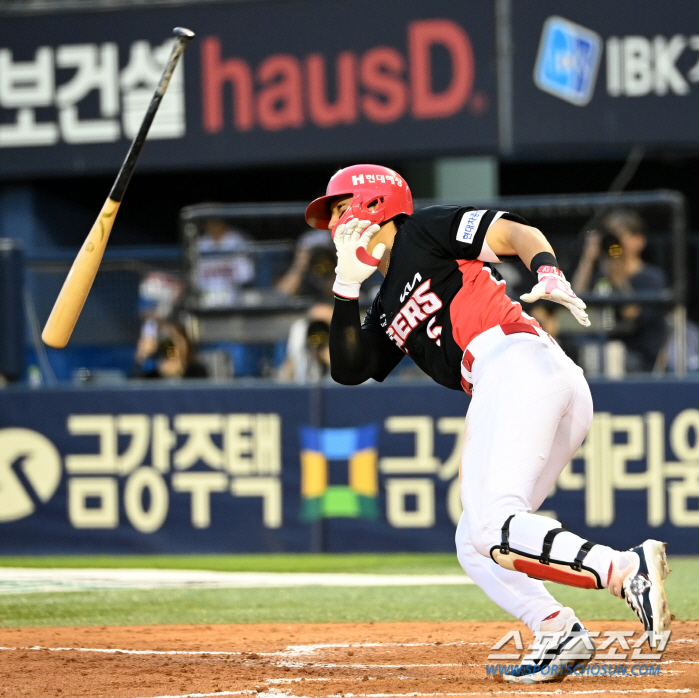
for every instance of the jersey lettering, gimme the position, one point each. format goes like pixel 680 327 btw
pixel 429 302
pixel 434 332
pixel 419 307
pixel 409 286
pixel 413 313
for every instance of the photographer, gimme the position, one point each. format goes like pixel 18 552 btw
pixel 164 351
pixel 611 262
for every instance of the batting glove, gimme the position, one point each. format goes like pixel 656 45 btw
pixel 553 286
pixel 354 263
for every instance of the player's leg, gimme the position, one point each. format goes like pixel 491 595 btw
pixel 501 521
pixel 520 396
pixel 637 576
pixel 512 427
pixel 522 597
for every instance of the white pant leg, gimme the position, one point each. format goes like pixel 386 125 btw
pixel 571 432
pixel 503 460
pixel 522 391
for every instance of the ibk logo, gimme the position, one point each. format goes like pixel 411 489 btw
pixel 568 59
pixel 569 56
pixel 419 307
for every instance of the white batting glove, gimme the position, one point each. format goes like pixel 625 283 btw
pixel 354 263
pixel 553 286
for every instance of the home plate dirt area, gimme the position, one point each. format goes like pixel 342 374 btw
pixel 367 660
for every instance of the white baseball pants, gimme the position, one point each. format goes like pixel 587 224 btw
pixel 530 411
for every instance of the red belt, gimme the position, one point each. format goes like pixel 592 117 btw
pixel 507 328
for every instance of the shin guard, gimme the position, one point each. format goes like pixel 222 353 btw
pixel 574 574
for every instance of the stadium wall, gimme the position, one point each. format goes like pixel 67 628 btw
pixel 292 469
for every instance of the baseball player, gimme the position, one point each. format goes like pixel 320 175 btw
pixel 443 304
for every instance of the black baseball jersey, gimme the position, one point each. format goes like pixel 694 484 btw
pixel 437 295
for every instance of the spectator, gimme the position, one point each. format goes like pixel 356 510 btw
pixel 307 350
pixel 164 351
pixel 224 264
pixel 158 295
pixel 612 263
pixel 312 272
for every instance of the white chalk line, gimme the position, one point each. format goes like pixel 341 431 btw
pixel 117 651
pixel 293 650
pixel 414 694
pixel 402 665
pixel 290 651
pixel 23 580
pixel 504 693
pixel 223 693
pixel 310 649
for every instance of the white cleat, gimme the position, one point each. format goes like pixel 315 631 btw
pixel 642 586
pixel 562 646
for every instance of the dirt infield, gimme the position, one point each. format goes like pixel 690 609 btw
pixel 382 660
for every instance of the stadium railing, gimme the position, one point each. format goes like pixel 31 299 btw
pixel 109 325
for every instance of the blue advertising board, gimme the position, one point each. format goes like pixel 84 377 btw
pixel 602 74
pixel 293 469
pixel 264 82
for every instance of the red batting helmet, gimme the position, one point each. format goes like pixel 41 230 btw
pixel 366 184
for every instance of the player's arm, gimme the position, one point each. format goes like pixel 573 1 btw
pixel 506 238
pixel 356 353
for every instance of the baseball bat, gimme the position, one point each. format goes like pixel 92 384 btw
pixel 71 299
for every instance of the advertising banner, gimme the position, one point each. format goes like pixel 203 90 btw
pixel 264 82
pixel 370 468
pixel 604 74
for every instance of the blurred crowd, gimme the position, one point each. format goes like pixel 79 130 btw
pixel 224 266
pixel 625 337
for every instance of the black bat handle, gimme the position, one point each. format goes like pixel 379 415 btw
pixel 184 36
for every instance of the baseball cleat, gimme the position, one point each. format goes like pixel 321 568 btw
pixel 642 586
pixel 562 646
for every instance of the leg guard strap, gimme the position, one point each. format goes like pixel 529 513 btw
pixel 505 540
pixel 582 553
pixel 545 558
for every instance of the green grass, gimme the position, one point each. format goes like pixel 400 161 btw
pixel 316 604
pixel 394 563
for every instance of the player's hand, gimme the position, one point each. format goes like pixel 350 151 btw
pixel 553 286
pixel 354 263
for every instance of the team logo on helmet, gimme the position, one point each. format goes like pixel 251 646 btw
pixel 378 194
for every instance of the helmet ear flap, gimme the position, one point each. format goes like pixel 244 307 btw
pixel 358 209
pixel 350 212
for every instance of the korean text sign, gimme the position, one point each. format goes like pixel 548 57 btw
pixel 259 469
pixel 249 90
